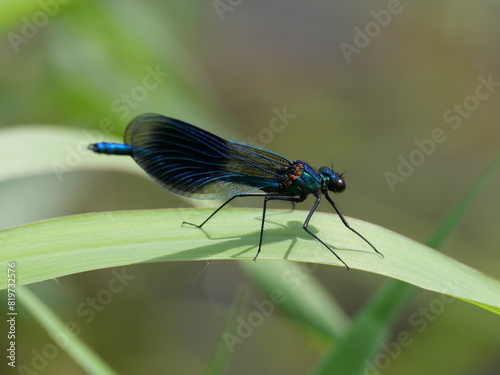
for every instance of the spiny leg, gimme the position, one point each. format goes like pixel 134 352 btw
pixel 212 214
pixel 224 204
pixel 347 224
pixel 306 228
pixel 305 225
pixel 264 209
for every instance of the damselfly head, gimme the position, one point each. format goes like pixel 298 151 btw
pixel 333 180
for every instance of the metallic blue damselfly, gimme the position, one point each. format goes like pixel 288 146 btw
pixel 194 163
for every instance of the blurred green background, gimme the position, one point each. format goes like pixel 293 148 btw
pixel 363 83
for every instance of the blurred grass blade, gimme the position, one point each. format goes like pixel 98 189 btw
pixel 225 347
pixel 451 220
pixel 86 358
pixel 304 298
pixel 42 152
pixel 13 12
pixel 372 326
pixel 79 243
pixel 293 288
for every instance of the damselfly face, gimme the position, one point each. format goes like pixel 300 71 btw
pixel 332 180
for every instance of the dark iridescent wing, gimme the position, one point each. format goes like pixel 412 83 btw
pixel 197 164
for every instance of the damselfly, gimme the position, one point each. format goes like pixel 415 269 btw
pixel 194 163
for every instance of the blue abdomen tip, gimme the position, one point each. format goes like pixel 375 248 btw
pixel 111 148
